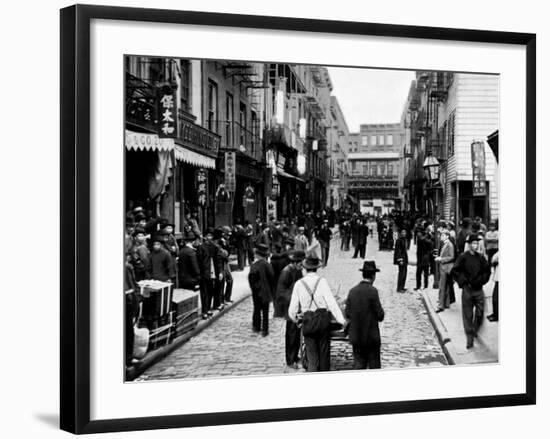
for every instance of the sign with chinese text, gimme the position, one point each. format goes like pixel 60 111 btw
pixel 167 112
pixel 230 165
pixel 202 188
pixel 478 169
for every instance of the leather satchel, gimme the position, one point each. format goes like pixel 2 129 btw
pixel 315 323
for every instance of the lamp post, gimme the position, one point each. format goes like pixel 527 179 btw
pixel 431 172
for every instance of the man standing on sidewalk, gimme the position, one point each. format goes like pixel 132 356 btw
pixel 401 259
pixel 472 271
pixel 445 259
pixel 324 235
pixel 423 253
pixel 261 280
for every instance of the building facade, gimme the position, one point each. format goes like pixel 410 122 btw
pixel 376 167
pixel 338 141
pixel 450 116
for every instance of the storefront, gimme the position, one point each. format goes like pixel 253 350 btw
pixel 292 188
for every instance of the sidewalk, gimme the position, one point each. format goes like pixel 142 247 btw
pixel 240 292
pixel 449 327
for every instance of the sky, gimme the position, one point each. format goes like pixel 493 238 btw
pixel 370 95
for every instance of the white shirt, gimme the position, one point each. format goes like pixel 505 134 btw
pixel 301 302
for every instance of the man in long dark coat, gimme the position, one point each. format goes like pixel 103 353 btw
pixel 401 259
pixel 188 265
pixel 361 245
pixel 290 274
pixel 364 311
pixel 261 280
pixel 424 248
pixel 210 271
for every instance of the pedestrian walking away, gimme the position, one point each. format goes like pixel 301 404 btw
pixel 261 280
pixel 310 294
pixel 445 260
pixel 401 259
pixel 471 271
pixel 289 276
pixel 364 311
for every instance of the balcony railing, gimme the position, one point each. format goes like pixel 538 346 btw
pixel 140 103
pixel 437 149
pixel 235 136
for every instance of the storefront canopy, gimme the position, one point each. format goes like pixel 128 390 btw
pixel 147 142
pixel 194 158
pixel 282 173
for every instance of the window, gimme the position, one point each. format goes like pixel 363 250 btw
pixel 389 139
pixel 254 128
pixel 185 71
pixel 364 140
pixel 381 140
pixel 390 169
pixel 374 169
pixel 383 169
pixel 373 140
pixel 212 106
pixel 229 117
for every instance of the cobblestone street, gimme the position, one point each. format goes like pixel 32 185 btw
pixel 229 347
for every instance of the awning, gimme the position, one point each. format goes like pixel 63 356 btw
pixel 147 142
pixel 187 156
pixel 282 173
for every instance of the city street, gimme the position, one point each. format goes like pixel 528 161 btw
pixel 229 347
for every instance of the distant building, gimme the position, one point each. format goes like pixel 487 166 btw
pixel 375 166
pixel 338 139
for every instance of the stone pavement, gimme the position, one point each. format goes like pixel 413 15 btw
pixel 229 347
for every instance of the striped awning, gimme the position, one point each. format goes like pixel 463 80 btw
pixel 187 156
pixel 147 142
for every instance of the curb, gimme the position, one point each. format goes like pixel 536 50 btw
pixel 442 334
pixel 155 356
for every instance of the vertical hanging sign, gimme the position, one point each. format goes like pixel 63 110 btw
pixel 201 186
pixel 230 171
pixel 167 112
pixel 478 169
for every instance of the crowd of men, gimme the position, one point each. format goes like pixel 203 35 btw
pixel 279 252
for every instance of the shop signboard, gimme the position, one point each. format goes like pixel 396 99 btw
pixel 167 112
pixel 478 169
pixel 202 188
pixel 230 165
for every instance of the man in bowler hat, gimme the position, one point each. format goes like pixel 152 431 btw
pixel 364 311
pixel 261 280
pixel 401 259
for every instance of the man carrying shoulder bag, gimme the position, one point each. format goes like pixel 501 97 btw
pixel 312 302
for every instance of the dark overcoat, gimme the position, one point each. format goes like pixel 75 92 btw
pixel 400 251
pixel 188 268
pixel 364 311
pixel 283 294
pixel 261 280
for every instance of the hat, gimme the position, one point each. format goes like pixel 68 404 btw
pixel 157 237
pixel 138 230
pixel 209 231
pixel 471 238
pixel 137 210
pixel 139 217
pixel 189 236
pixel 162 232
pixel 369 267
pixel 301 228
pixel 289 241
pixel 262 250
pixel 312 262
pixel 226 229
pixel 168 224
pixel 218 233
pixel 297 255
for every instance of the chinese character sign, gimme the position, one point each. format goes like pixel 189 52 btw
pixel 201 187
pixel 478 169
pixel 230 165
pixel 167 112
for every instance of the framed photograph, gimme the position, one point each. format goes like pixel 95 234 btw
pixel 304 217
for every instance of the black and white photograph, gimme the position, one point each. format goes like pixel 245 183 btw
pixel 287 218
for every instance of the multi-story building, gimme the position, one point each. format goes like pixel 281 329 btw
pixel 450 117
pixel 375 167
pixel 338 140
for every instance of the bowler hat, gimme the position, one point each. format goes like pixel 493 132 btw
pixel 138 230
pixel 158 237
pixel 218 233
pixel 262 250
pixel 297 255
pixel 472 237
pixel 369 267
pixel 138 217
pixel 189 236
pixel 164 225
pixel 312 262
pixel 209 231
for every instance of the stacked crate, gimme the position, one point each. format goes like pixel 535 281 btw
pixel 156 311
pixel 185 307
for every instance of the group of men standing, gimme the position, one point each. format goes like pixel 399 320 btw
pixel 465 258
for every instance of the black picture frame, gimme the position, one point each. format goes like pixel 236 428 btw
pixel 75 217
